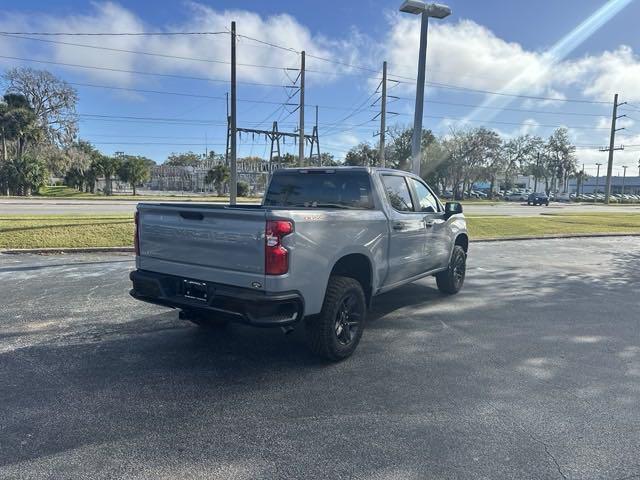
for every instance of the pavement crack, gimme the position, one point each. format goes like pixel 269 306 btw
pixel 531 435
pixel 546 449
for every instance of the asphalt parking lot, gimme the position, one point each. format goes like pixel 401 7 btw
pixel 532 371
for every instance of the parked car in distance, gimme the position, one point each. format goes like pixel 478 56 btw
pixel 321 245
pixel 563 197
pixel 538 199
pixel 447 194
pixel 516 197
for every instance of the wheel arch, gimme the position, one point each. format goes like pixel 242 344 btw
pixel 357 266
pixel 463 240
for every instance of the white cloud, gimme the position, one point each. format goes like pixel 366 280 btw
pixel 466 53
pixel 111 17
pixel 600 76
pixel 462 53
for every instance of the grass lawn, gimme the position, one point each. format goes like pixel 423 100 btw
pixel 550 224
pixel 60 231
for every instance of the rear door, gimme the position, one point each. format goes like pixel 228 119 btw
pixel 436 235
pixel 407 231
pixel 214 243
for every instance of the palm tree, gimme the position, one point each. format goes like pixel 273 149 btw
pixel 219 176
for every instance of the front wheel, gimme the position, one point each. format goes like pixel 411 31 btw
pixel 335 333
pixel 450 281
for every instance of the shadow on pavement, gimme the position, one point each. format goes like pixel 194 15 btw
pixel 526 373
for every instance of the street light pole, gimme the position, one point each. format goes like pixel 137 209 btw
pixel 597 182
pixel 416 140
pixel 425 10
pixel 624 176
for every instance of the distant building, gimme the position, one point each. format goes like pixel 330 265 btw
pixel 631 185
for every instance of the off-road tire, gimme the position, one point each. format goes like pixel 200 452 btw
pixel 322 329
pixel 450 281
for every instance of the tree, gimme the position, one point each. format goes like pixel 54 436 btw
pixel 434 165
pixel 107 167
pixel 18 129
pixel 17 124
pixel 459 147
pixel 562 156
pixel 218 176
pixel 243 189
pixel 25 174
pixel 188 159
pixel 134 170
pixel 398 153
pixel 326 159
pixel 82 171
pixel 362 155
pixel 53 101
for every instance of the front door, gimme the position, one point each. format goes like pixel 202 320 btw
pixel 437 238
pixel 407 254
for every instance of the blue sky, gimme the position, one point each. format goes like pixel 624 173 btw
pixel 482 46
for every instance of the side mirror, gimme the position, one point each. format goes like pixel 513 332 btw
pixel 452 208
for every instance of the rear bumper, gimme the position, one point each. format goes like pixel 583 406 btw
pixel 254 307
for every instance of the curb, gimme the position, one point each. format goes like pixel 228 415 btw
pixel 14 251
pixel 554 237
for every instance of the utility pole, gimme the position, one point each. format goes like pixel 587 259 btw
pixel 612 140
pixel 535 177
pixel 624 176
pixel 383 113
pixel 581 189
pixel 234 133
pixel 301 121
pixel 597 182
pixel 226 152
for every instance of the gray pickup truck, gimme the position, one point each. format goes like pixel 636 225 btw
pixel 321 245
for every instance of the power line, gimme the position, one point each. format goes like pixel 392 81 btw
pixel 140 90
pixel 135 72
pixel 153 54
pixel 530 97
pixel 546 112
pixel 317 57
pixel 112 34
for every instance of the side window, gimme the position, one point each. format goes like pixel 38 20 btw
pixel 398 192
pixel 428 202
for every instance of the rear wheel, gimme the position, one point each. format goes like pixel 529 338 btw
pixel 335 333
pixel 450 281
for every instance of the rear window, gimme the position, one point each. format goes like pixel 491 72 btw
pixel 349 189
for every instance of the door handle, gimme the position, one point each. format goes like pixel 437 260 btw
pixel 398 226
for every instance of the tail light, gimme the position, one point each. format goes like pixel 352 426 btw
pixel 276 257
pixel 136 238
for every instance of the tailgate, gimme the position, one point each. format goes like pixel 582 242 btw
pixel 208 242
